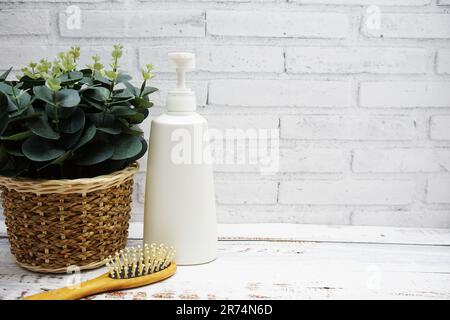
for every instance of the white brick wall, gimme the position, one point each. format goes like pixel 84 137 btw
pixel 438 190
pixel 440 127
pixel 401 160
pixel 356 60
pixel 443 63
pixel 318 127
pixel 405 94
pixel 411 26
pixel 282 24
pixel 363 110
pixel 354 192
pixel 276 93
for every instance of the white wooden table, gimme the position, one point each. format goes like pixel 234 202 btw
pixel 285 261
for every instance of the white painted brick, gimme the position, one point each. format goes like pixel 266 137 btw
pixel 221 151
pixel 410 94
pixel 19 56
pixel 401 160
pixel 240 156
pixel 218 1
pixel 356 60
pixel 443 61
pixel 405 25
pixel 264 192
pixel 421 219
pixel 348 192
pixel 46 1
pixel 270 23
pixel 312 160
pixel 239 143
pixel 148 24
pixel 242 214
pixel 277 93
pixel 220 58
pixel 440 127
pixel 438 190
pixel 347 128
pixel 24 22
pixel 223 122
pixel 368 2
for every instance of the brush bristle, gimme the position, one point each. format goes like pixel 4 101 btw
pixel 136 262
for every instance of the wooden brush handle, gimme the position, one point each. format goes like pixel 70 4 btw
pixel 81 290
pixel 101 284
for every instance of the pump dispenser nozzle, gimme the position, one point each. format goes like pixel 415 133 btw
pixel 182 98
pixel 183 62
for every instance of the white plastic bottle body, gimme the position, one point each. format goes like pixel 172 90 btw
pixel 179 197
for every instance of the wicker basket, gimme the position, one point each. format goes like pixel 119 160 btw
pixel 53 224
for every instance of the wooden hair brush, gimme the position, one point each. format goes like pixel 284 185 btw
pixel 129 268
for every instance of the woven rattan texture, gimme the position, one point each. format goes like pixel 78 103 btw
pixel 51 231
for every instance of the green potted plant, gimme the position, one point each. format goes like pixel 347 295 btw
pixel 69 141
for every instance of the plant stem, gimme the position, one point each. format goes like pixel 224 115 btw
pixel 56 121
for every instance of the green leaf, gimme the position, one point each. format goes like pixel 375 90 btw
pixel 129 128
pixel 39 149
pixel 41 127
pixel 69 140
pixel 58 160
pixel 63 113
pixel 3 103
pixel 62 158
pixel 4 120
pixel 43 93
pixel 148 90
pixel 86 72
pixel 96 104
pixel 87 81
pixel 3 155
pixel 88 135
pixel 101 119
pixel 126 146
pixel 123 94
pixel 18 136
pixel 122 111
pixel 110 130
pixel 15 150
pixel 71 77
pixel 23 99
pixel 5 74
pixel 73 123
pixel 143 150
pixel 134 91
pixel 123 77
pixel 67 98
pixel 25 114
pixel 141 103
pixel 6 88
pixel 102 79
pixel 29 83
pixel 98 93
pixel 95 152
pixel 138 117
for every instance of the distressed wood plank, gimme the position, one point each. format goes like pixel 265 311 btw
pixel 325 233
pixel 275 270
pixel 317 233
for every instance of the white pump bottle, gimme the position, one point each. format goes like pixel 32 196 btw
pixel 179 196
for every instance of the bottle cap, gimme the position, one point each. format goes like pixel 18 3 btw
pixel 181 98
